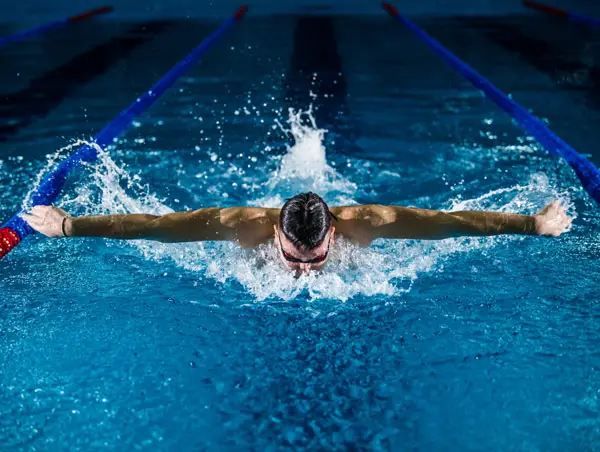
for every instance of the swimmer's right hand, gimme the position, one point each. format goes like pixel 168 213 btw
pixel 48 220
pixel 552 220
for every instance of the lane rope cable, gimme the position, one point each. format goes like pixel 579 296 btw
pixel 562 12
pixel 26 34
pixel 585 170
pixel 16 229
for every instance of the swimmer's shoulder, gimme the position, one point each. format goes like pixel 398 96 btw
pixel 232 216
pixel 369 213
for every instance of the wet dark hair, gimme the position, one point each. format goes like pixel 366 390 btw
pixel 305 220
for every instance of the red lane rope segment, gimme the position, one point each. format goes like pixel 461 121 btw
pixel 91 13
pixel 546 8
pixel 8 240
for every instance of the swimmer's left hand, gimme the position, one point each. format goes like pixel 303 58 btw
pixel 552 220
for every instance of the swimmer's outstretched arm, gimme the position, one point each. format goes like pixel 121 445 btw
pixel 368 222
pixel 249 226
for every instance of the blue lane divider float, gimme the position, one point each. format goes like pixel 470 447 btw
pixel 26 34
pixel 586 171
pixel 16 229
pixel 563 13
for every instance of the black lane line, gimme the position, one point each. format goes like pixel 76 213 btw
pixel 44 93
pixel 559 64
pixel 316 67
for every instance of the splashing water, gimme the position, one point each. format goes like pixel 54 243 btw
pixel 304 167
pixel 51 162
pixel 386 268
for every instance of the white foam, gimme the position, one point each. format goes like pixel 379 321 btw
pixel 304 167
pixel 526 198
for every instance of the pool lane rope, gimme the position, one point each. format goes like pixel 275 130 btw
pixel 585 170
pixel 16 229
pixel 563 13
pixel 26 34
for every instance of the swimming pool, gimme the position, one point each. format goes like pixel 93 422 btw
pixel 466 344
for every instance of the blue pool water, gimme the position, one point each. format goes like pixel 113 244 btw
pixel 466 344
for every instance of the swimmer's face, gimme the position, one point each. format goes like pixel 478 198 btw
pixel 313 259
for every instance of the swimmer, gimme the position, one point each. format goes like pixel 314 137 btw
pixel 304 229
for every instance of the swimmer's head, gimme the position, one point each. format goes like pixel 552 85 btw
pixel 304 235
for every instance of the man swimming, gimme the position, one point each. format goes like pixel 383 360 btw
pixel 304 229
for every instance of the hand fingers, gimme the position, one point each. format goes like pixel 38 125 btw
pixel 33 221
pixel 563 225
pixel 39 210
pixel 550 207
pixel 554 210
pixel 566 219
pixel 543 210
pixel 28 218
